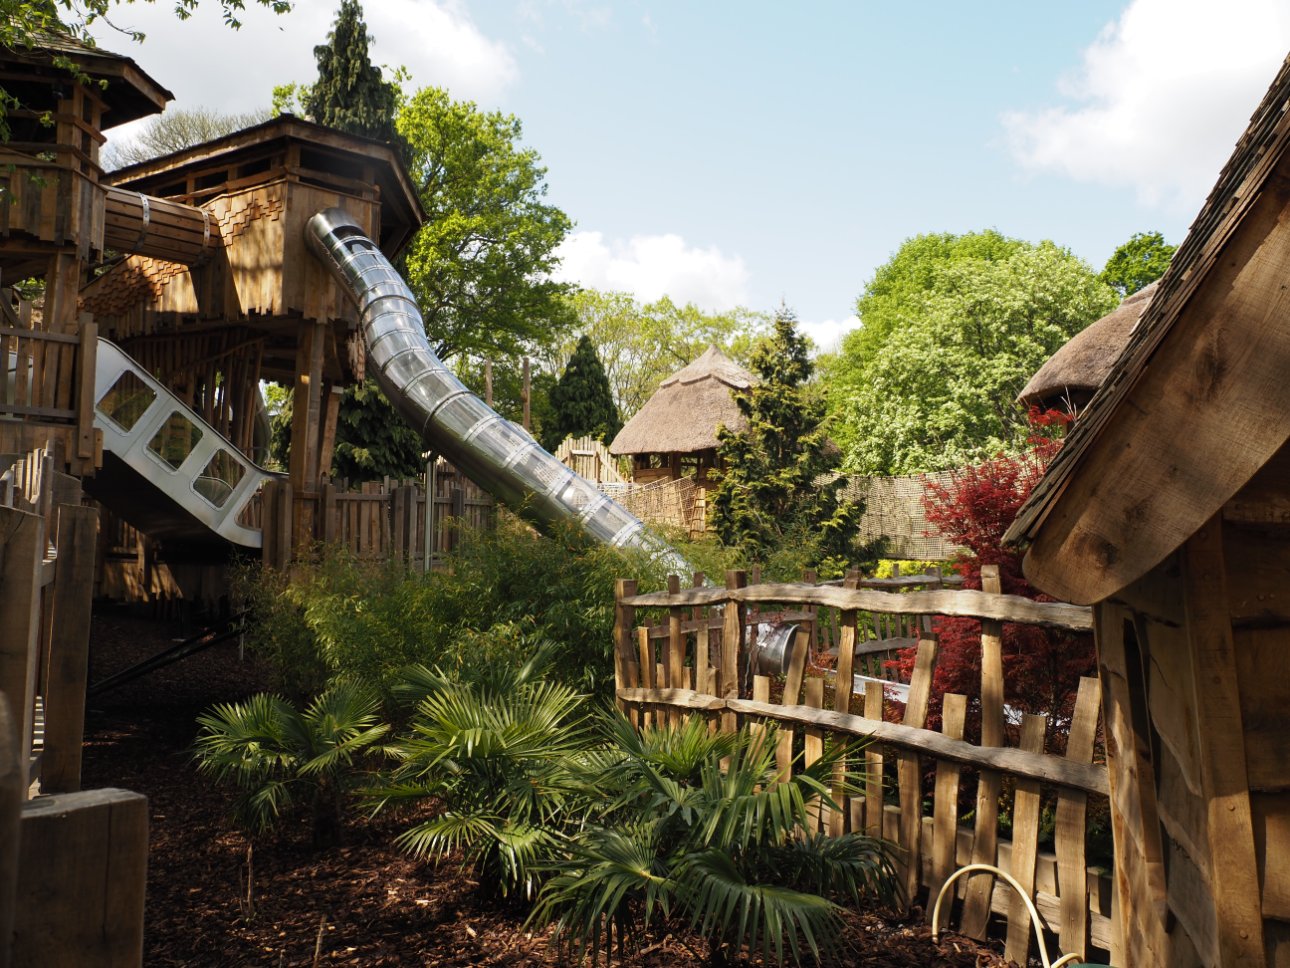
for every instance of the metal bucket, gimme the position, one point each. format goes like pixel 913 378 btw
pixel 775 645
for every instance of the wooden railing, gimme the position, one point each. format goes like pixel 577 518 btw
pixel 701 666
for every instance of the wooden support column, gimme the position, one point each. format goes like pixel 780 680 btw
pixel 62 284
pixel 1220 734
pixel 22 541
pixel 307 407
pixel 732 648
pixel 69 650
pixel 327 428
pixel 13 790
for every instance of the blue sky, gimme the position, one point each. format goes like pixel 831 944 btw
pixel 747 153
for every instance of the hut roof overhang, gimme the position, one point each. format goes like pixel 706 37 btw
pixel 1086 360
pixel 684 414
pixel 130 93
pixel 1196 403
pixel 401 211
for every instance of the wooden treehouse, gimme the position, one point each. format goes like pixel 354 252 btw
pixel 1167 510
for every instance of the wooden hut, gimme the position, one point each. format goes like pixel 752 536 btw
pixel 1168 509
pixel 1070 377
pixel 675 434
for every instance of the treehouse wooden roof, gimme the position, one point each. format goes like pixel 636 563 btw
pixel 130 93
pixel 1199 400
pixel 312 153
pixel 683 415
pixel 1086 360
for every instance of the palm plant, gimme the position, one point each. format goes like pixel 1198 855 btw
pixel 498 755
pixel 723 847
pixel 283 758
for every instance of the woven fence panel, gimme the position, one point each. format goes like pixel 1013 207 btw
pixel 894 511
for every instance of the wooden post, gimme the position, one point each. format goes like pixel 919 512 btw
pixel 732 649
pixel 624 620
pixel 945 803
pixel 22 539
pixel 813 744
pixel 13 790
pixel 69 650
pixel 86 361
pixel 873 701
pixel 488 382
pixel 528 390
pixel 909 773
pixel 843 686
pixel 985 843
pixel 1070 832
pixel 81 880
pixel 1025 842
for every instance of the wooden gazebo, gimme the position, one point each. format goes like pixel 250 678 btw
pixel 675 434
pixel 1169 510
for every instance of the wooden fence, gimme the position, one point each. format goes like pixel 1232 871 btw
pixel 380 520
pixel 702 666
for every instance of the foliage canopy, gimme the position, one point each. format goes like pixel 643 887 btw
pixel 1138 263
pixel 581 402
pixel 952 328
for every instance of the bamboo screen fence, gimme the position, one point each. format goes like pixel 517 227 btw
pixel 697 659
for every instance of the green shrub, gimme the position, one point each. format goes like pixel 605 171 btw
pixel 721 847
pixel 284 760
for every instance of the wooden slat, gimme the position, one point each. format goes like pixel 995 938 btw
pixel 873 806
pixel 843 685
pixel 1070 835
pixel 946 800
pixel 732 633
pixel 1025 842
pixel 961 603
pixel 980 886
pixel 624 622
pixel 909 774
pixel 813 747
pixel 23 537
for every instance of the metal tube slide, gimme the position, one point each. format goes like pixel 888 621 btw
pixel 499 455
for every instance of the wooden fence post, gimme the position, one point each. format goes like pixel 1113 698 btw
pixel 985 843
pixel 22 539
pixel 843 686
pixel 1069 835
pixel 945 802
pixel 624 619
pixel 909 773
pixel 13 790
pixel 1025 842
pixel 69 646
pixel 732 649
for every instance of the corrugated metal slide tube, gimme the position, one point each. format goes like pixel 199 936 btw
pixel 500 456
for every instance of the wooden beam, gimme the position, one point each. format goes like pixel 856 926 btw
pixel 73 594
pixel 1233 869
pixel 22 540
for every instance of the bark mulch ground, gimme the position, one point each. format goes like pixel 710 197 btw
pixel 216 899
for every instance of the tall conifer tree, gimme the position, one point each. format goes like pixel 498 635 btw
pixel 350 93
pixel 582 402
pixel 771 497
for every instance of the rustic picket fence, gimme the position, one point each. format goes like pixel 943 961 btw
pixel 700 661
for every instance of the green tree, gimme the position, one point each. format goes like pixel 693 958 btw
pixel 1137 263
pixel 641 344
pixel 952 327
pixel 350 93
pixel 480 268
pixel 581 402
pixel 372 440
pixel 771 494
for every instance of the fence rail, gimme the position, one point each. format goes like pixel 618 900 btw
pixel 702 659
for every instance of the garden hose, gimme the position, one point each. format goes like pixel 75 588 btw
pixel 1071 959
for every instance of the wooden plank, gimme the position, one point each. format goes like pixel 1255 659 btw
pixel 624 622
pixel 13 790
pixel 873 806
pixel 702 663
pixel 843 686
pixel 86 362
pixel 964 603
pixel 674 658
pixel 1071 835
pixel 792 696
pixel 980 886
pixel 909 774
pixel 732 647
pixel 1091 778
pixel 1233 867
pixel 945 802
pixel 645 663
pixel 81 885
pixel 23 537
pixel 69 650
pixel 813 746
pixel 1025 842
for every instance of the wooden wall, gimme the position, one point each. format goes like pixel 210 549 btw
pixel 1194 661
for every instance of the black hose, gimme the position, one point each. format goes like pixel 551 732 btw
pixel 191 646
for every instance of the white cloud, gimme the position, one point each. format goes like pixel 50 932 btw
pixel 1161 97
pixel 208 65
pixel 827 333
pixel 652 266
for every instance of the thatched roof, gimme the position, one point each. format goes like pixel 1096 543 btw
pixel 1076 370
pixel 684 413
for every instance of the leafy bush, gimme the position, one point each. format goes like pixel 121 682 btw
pixel 499 756
pixel 284 759
pixel 720 847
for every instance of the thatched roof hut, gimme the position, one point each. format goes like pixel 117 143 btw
pixel 1166 509
pixel 1072 375
pixel 676 430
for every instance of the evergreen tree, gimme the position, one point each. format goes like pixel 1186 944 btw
pixel 772 498
pixel 350 93
pixel 581 401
